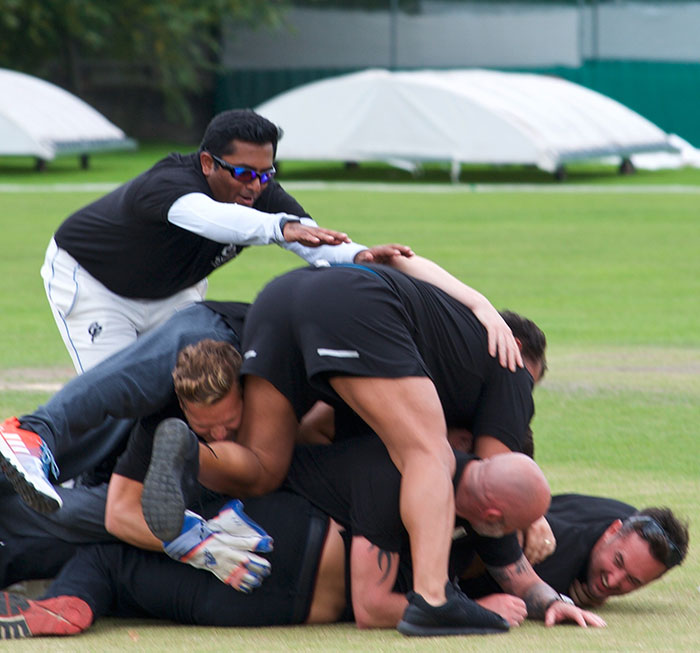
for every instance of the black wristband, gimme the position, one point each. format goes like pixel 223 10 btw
pixel 284 221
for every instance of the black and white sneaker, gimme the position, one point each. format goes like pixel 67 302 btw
pixel 26 461
pixel 171 478
pixel 458 616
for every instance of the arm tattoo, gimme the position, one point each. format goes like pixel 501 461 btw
pixel 538 599
pixel 383 559
pixel 515 577
pixel 505 576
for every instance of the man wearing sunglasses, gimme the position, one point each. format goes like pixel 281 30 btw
pixel 123 264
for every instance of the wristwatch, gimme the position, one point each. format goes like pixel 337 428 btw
pixel 560 597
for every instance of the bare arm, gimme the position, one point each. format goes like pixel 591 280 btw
pixel 542 601
pixel 124 516
pixel 373 574
pixel 486 446
pixel 318 425
pixel 259 461
pixel 501 340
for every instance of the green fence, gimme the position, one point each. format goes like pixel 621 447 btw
pixel 668 94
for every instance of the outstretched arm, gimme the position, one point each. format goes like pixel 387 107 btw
pixel 542 601
pixel 501 340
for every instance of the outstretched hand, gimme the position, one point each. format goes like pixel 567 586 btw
pixel 501 339
pixel 560 611
pixel 297 232
pixel 383 253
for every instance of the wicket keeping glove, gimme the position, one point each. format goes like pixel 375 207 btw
pixel 225 546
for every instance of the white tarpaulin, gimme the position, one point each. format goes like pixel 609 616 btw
pixel 459 116
pixel 42 120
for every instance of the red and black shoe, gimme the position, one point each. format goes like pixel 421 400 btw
pixel 61 615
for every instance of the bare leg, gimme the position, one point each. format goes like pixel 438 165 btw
pixel 407 415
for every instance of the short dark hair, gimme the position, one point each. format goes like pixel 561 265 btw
pixel 533 342
pixel 241 125
pixel 675 530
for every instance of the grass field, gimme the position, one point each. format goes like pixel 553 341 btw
pixel 612 277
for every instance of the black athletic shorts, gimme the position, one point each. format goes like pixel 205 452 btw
pixel 314 323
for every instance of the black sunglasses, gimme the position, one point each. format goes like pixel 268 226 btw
pixel 244 173
pixel 647 527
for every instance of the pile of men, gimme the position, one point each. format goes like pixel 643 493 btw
pixel 371 411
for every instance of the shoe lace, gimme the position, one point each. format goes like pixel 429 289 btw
pixel 48 462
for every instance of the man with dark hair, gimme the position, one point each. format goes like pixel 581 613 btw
pixel 102 575
pixel 605 548
pixel 122 265
pixel 530 338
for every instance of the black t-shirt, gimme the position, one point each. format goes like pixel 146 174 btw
pixel 125 241
pixel 476 392
pixel 577 522
pixel 133 463
pixel 356 483
pixel 387 325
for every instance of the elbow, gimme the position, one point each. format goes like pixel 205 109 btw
pixel 363 618
pixel 264 486
pixel 369 614
pixel 266 481
pixel 112 525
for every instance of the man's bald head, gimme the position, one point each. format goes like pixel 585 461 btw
pixel 502 494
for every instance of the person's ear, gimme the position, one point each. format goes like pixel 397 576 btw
pixel 519 343
pixel 206 162
pixel 613 529
pixel 492 516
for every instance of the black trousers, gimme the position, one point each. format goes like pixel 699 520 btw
pixel 117 579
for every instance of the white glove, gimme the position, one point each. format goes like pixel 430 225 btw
pixel 227 555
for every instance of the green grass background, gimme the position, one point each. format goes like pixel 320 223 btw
pixel 613 278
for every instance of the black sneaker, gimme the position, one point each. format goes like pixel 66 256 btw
pixel 458 616
pixel 171 479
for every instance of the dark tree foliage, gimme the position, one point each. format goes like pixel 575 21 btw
pixel 170 45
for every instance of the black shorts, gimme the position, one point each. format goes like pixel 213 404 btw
pixel 314 323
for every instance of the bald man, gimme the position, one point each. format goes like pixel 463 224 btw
pixel 357 485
